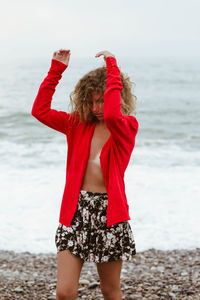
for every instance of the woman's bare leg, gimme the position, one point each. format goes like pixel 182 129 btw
pixel 68 274
pixel 109 273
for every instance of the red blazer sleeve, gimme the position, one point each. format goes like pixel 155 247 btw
pixel 123 128
pixel 41 110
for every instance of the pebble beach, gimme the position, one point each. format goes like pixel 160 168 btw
pixel 153 274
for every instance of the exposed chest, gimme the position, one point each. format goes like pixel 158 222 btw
pixel 99 138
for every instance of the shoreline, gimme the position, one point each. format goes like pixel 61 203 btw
pixel 153 274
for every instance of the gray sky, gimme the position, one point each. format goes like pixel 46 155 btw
pixel 124 27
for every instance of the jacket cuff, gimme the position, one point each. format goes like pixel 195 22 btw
pixel 58 66
pixel 111 62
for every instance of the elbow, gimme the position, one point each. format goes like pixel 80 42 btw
pixel 135 124
pixel 34 112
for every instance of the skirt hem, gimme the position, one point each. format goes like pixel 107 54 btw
pixel 86 259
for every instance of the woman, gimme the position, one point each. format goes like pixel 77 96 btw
pixel 100 132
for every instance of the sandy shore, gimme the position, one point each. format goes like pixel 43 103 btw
pixel 153 274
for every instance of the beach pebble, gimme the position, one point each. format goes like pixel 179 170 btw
pixel 18 290
pixel 93 285
pixel 84 281
pixel 152 274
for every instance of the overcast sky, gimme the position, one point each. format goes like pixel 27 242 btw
pixel 125 27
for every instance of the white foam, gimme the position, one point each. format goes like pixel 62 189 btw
pixel 164 207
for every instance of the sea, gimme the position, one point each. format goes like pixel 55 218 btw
pixel 162 179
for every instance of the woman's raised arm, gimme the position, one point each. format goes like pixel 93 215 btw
pixel 123 128
pixel 41 110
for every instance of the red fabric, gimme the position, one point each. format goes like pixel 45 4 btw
pixel 115 154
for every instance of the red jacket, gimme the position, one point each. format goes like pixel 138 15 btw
pixel 115 154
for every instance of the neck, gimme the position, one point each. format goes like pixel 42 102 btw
pixel 101 122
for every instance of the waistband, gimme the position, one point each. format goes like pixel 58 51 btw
pixel 93 193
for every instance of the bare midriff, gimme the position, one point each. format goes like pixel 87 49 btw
pixel 93 180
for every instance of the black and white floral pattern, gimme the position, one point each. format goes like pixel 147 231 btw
pixel 89 238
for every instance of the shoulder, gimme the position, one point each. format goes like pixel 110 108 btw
pixel 74 119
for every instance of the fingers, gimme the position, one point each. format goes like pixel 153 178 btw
pixel 68 50
pixel 105 53
pixel 99 54
pixel 62 51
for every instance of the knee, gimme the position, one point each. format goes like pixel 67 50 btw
pixel 111 293
pixel 65 294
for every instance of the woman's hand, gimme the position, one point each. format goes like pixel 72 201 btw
pixel 62 55
pixel 105 54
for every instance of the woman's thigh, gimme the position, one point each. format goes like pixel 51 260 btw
pixel 68 272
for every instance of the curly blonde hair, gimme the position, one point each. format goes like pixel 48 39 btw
pixel 95 81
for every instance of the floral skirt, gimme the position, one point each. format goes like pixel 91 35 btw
pixel 88 236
